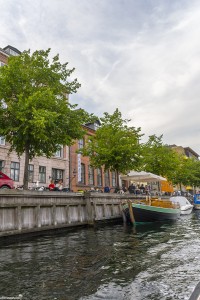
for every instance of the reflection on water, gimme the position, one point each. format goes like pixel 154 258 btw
pixel 152 261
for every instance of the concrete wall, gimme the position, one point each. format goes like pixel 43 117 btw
pixel 32 211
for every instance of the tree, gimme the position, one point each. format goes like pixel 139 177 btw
pixel 187 172
pixel 195 181
pixel 115 145
pixel 159 158
pixel 196 174
pixel 35 116
pixel 165 161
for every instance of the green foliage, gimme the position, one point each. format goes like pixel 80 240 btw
pixel 35 116
pixel 115 145
pixel 165 161
pixel 195 180
pixel 187 172
pixel 159 158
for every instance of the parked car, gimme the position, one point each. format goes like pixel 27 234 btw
pixel 6 182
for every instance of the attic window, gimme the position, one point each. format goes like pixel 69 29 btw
pixel 12 52
pixel 96 125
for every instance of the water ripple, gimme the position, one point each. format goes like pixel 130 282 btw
pixel 154 261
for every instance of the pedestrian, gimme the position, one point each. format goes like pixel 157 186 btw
pixel 131 188
pixel 124 189
pixel 52 185
pixel 59 185
pixel 142 188
pixel 106 189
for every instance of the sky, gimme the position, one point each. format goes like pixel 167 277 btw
pixel 140 56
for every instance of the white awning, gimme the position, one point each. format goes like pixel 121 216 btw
pixel 142 176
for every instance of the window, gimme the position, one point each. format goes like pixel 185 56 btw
pixel 12 52
pixel 42 174
pixel 113 179
pixel 82 174
pixel 1 165
pixel 80 143
pixel 2 140
pixel 99 177
pixel 30 173
pixel 96 125
pixel 1 64
pixel 59 152
pixel 90 175
pixel 106 178
pixel 57 174
pixel 14 171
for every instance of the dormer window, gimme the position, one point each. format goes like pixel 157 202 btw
pixel 13 53
pixel 11 50
pixel 96 125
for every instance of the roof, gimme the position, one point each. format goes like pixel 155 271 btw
pixel 93 125
pixel 185 149
pixel 12 48
pixel 191 151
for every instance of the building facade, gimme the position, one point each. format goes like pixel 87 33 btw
pixel 3 57
pixel 82 175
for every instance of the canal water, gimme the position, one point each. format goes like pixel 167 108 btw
pixel 153 261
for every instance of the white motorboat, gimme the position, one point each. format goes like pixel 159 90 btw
pixel 185 205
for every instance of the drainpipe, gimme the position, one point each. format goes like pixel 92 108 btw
pixel 69 182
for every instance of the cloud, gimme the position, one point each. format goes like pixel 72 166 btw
pixel 139 56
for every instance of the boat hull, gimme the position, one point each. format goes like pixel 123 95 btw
pixel 186 210
pixel 146 213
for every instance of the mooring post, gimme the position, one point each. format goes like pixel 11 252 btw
pixel 124 217
pixel 131 212
pixel 89 209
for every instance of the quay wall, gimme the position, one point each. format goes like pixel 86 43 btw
pixel 23 212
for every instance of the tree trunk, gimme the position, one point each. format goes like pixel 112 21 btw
pixel 117 173
pixel 26 168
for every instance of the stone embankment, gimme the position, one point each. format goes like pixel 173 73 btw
pixel 34 212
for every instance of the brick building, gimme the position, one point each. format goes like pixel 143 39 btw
pixel 3 57
pixel 82 175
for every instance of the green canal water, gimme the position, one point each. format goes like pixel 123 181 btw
pixel 154 261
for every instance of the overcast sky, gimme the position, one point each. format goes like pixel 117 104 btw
pixel 141 56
